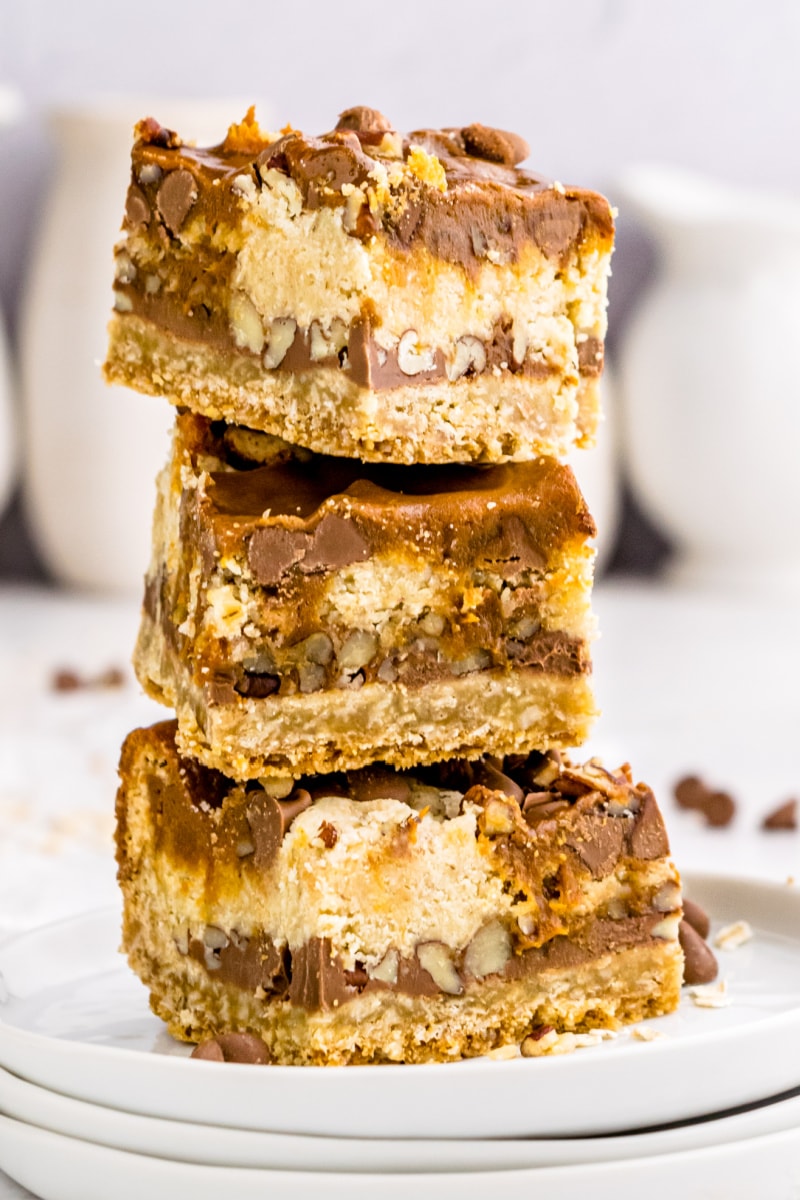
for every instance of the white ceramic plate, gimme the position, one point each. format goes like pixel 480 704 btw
pixel 216 1146
pixel 75 1020
pixel 60 1168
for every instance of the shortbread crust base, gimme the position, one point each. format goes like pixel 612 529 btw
pixel 486 418
pixel 513 712
pixel 629 985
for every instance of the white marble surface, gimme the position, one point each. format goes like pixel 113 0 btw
pixel 687 683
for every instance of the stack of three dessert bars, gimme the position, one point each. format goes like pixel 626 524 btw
pixel 369 604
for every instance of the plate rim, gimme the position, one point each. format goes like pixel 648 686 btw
pixel 278 1100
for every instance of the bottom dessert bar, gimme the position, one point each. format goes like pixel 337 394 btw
pixel 395 916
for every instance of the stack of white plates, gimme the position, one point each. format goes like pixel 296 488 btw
pixel 98 1102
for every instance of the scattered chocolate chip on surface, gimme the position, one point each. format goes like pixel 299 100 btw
pixel 234 1048
pixel 783 817
pixel 717 807
pixel 697 917
pixel 67 680
pixel 699 962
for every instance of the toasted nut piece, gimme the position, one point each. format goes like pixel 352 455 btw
pixel 277 786
pixel 479 660
pixel 539 1041
pixel 319 648
pixel 525 628
pixel 387 671
pixel 667 929
pixel 260 447
pixel 281 336
pixel 549 771
pixel 386 970
pixel 413 359
pixel 432 623
pixel 470 355
pixel 124 269
pixel 326 343
pixel 527 924
pixel 215 938
pixel 697 917
pixel 358 650
pixel 489 951
pixel 436 959
pixel 311 677
pixel 122 302
pixel 245 848
pixel 668 898
pixel 246 327
pixel 499 817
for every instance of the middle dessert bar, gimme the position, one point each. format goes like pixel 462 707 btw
pixel 309 614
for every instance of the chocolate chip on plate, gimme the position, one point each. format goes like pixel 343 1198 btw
pixel 697 917
pixel 699 963
pixel 233 1048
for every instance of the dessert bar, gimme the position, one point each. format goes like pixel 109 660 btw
pixel 304 613
pixel 378 915
pixel 366 293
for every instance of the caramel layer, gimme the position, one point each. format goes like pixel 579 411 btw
pixel 487 205
pixel 313 978
pixel 555 824
pixel 324 513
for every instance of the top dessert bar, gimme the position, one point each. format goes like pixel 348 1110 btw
pixel 366 293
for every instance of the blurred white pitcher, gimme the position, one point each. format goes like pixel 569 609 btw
pixel 92 452
pixel 710 379
pixel 10 110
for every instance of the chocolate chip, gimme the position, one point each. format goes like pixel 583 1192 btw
pixel 784 817
pixel 67 680
pixel 491 777
pixel 234 1048
pixel 363 120
pixel 496 145
pixel 137 210
pixel 210 1051
pixel 272 551
pixel 378 783
pixel 175 197
pixel 270 819
pixel 318 978
pixel 598 842
pixel 257 687
pixel 335 543
pixel 697 917
pixel 699 963
pixel 648 838
pixel 718 808
pixel 690 791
